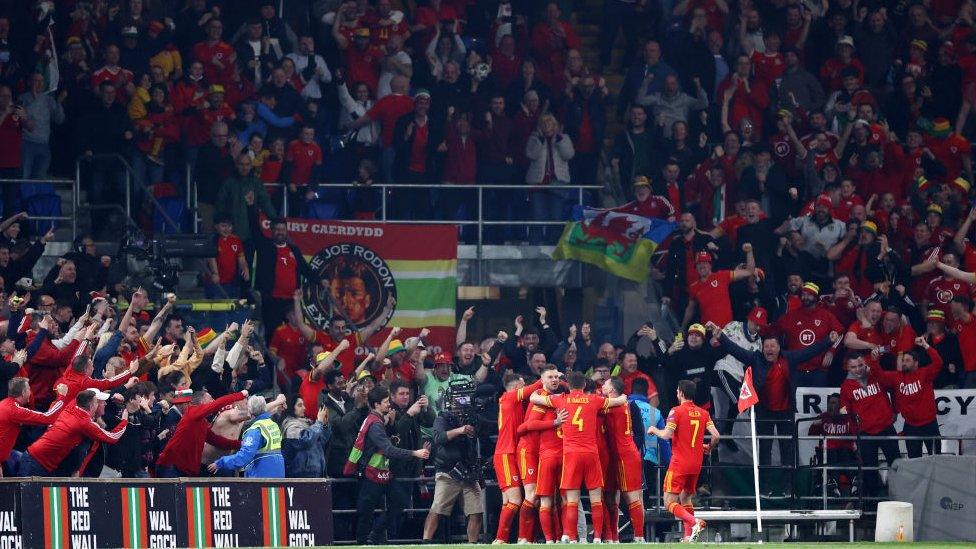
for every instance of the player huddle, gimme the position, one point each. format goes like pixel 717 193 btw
pixel 570 438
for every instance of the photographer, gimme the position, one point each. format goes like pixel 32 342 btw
pixel 407 422
pixel 370 461
pixel 457 469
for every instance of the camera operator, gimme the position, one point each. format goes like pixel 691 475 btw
pixel 457 469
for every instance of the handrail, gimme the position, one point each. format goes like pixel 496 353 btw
pixel 128 188
pixel 50 181
pixel 479 222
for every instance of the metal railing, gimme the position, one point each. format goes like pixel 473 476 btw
pixel 73 184
pixel 386 189
pixel 128 180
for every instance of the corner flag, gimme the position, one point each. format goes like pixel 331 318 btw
pixel 747 394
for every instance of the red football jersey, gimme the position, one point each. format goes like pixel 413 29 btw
pixel 286 273
pixel 550 439
pixel 941 290
pixel 966 332
pixel 804 327
pixel 620 431
pixel 581 430
pixel 712 295
pixel 689 423
pixel 229 249
pixel 511 409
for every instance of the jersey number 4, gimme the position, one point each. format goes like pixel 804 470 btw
pixel 577 420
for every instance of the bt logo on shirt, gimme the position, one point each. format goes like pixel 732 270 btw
pixel 807 337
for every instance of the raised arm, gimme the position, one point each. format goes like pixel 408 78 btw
pixel 957 273
pixel 157 321
pixel 750 268
pixel 462 327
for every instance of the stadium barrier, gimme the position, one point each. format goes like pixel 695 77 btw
pixel 59 513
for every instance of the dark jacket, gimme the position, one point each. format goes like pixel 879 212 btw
pixel 265 248
pixel 761 366
pixel 133 452
pixel 519 357
pixel 698 365
pixel 406 429
pixel 776 188
pixel 675 277
pixel 104 129
pixel 23 266
pixel 403 145
pixel 213 167
pixel 344 431
pixel 451 452
pixel 597 109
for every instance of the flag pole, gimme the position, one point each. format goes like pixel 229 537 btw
pixel 755 468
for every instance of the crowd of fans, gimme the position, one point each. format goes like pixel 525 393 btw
pixel 813 155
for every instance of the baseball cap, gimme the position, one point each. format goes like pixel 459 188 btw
pixel 934 208
pixel 422 92
pixel 361 31
pixel 99 395
pixel 642 181
pixel 920 44
pixel 846 40
pixel 870 226
pixel 759 316
pixel 216 88
pixel 443 357
pixel 130 31
pixel 697 328
pixel 811 288
pixel 703 257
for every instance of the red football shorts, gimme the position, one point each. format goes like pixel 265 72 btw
pixel 629 473
pixel 581 469
pixel 528 466
pixel 506 471
pixel 550 469
pixel 676 483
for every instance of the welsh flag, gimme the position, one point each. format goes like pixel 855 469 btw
pixel 617 242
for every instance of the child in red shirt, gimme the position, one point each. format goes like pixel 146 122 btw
pixel 230 262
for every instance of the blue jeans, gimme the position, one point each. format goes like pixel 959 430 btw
pixel 547 205
pixel 35 159
pixel 167 471
pixel 30 468
pixel 387 158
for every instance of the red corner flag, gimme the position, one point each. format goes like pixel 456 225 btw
pixel 747 394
